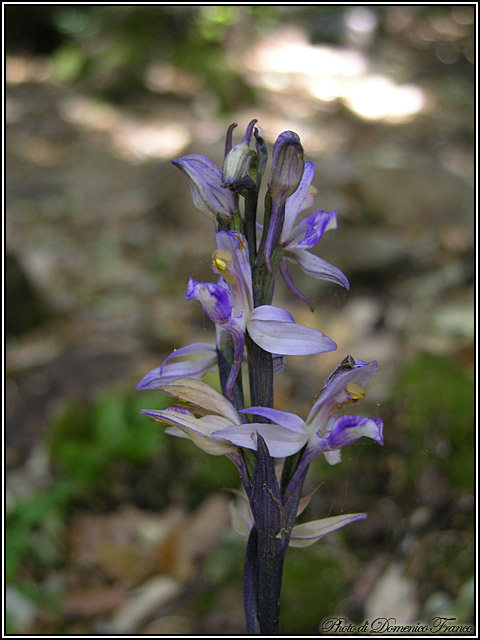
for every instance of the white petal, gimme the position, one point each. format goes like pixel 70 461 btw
pixel 241 517
pixel 317 267
pixel 269 312
pixel 281 442
pixel 202 395
pixel 304 535
pixel 286 338
pixel 333 457
pixel 175 431
pixel 198 430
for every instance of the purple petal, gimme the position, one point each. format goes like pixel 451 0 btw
pixel 334 392
pixel 314 266
pixel 269 312
pixel 276 214
pixel 239 267
pixel 307 234
pixel 249 131
pixel 287 171
pixel 291 286
pixel 348 429
pixel 216 300
pixel 285 337
pixel 281 442
pixel 196 348
pixel 287 166
pixel 294 203
pixel 279 364
pixel 279 361
pixel 167 372
pixel 204 178
pixel 236 328
pixel 192 368
pixel 283 418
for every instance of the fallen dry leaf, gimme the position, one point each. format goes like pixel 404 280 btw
pixel 143 603
pixel 128 563
pixel 92 602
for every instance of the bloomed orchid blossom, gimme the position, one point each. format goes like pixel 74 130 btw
pixel 321 432
pixel 200 430
pixel 297 239
pixel 229 304
pixel 218 411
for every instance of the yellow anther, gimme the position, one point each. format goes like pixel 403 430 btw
pixel 220 261
pixel 355 390
pixel 220 258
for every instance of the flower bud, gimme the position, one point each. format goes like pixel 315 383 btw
pixel 287 165
pixel 204 179
pixel 236 166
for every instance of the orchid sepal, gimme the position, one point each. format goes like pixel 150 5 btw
pixel 204 179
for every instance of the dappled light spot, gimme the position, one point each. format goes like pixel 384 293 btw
pixel 360 23
pixel 139 141
pixel 160 76
pixel 131 138
pixel 379 98
pixel 89 113
pixel 286 63
pixel 20 69
pixel 288 52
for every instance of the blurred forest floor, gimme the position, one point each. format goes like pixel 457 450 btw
pixel 113 527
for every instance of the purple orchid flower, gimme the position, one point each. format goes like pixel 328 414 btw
pixel 204 179
pixel 296 240
pixel 216 412
pixel 321 432
pixel 229 304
